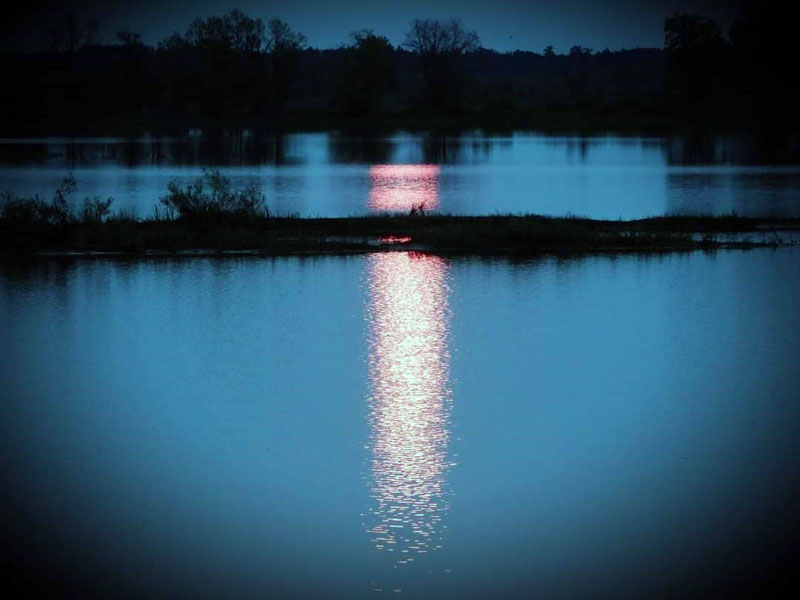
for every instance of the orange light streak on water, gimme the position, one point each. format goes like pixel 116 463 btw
pixel 399 188
pixel 409 402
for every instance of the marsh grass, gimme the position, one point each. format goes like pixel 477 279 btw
pixel 36 211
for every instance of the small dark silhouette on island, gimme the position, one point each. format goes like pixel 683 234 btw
pixel 232 70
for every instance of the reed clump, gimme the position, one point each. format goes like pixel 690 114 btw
pixel 210 199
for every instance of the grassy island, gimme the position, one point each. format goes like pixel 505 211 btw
pixel 208 217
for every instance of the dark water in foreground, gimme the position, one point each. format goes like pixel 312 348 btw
pixel 337 174
pixel 403 425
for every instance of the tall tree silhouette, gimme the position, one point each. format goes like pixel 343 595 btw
pixel 285 48
pixel 764 41
pixel 131 74
pixel 69 35
pixel 698 55
pixel 579 58
pixel 220 64
pixel 441 46
pixel 368 70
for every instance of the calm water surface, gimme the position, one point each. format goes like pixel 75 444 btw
pixel 336 174
pixel 402 424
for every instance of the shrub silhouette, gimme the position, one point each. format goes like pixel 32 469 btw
pixel 210 199
pixel 57 211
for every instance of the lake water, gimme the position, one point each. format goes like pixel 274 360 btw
pixel 336 174
pixel 402 425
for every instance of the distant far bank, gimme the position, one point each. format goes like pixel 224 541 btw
pixel 233 70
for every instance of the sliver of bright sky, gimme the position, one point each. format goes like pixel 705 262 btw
pixel 501 24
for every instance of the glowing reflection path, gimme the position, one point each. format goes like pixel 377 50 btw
pixel 399 188
pixel 409 404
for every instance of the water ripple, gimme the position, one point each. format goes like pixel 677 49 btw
pixel 409 403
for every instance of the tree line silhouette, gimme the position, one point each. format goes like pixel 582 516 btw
pixel 233 67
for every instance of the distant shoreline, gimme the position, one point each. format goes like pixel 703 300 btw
pixel 501 235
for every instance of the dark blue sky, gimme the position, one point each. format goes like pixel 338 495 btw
pixel 501 24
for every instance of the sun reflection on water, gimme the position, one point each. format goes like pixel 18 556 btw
pixel 399 188
pixel 409 402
